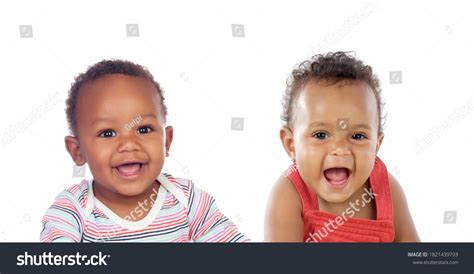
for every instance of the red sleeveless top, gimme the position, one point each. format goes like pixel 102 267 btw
pixel 322 226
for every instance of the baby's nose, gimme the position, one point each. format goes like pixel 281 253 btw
pixel 340 148
pixel 128 143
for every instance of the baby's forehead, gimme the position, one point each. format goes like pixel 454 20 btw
pixel 339 93
pixel 118 95
pixel 339 100
pixel 114 87
pixel 118 82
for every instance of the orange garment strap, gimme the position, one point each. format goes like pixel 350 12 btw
pixel 307 197
pixel 380 184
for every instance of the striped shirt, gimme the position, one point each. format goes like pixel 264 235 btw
pixel 181 212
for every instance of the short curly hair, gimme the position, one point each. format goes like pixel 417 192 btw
pixel 101 69
pixel 333 67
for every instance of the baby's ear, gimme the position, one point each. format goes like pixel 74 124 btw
pixel 169 139
pixel 72 146
pixel 286 137
pixel 379 142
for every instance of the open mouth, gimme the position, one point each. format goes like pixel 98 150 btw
pixel 337 177
pixel 129 170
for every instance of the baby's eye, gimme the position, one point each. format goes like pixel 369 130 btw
pixel 320 135
pixel 107 133
pixel 144 130
pixel 358 136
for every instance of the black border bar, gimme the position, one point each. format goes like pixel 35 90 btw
pixel 272 258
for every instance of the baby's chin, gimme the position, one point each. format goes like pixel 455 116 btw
pixel 335 198
pixel 133 189
pixel 335 195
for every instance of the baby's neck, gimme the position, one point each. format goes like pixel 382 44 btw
pixel 125 206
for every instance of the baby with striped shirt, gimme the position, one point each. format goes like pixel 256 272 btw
pixel 117 118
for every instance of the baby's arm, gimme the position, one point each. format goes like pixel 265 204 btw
pixel 405 230
pixel 62 221
pixel 283 221
pixel 207 223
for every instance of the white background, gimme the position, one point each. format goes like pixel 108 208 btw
pixel 209 76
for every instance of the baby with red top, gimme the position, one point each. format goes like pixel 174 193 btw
pixel 337 189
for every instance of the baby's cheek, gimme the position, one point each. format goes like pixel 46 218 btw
pixel 98 165
pixel 365 158
pixel 363 173
pixel 157 156
pixel 310 171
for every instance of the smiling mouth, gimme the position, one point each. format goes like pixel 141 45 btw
pixel 337 177
pixel 129 170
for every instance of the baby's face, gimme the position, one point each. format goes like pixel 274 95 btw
pixel 122 134
pixel 335 137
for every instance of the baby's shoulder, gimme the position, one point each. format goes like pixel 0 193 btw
pixel 284 193
pixel 182 189
pixel 76 195
pixel 78 190
pixel 398 195
pixel 185 190
pixel 181 183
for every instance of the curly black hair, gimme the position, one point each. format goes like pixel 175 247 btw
pixel 101 69
pixel 333 67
